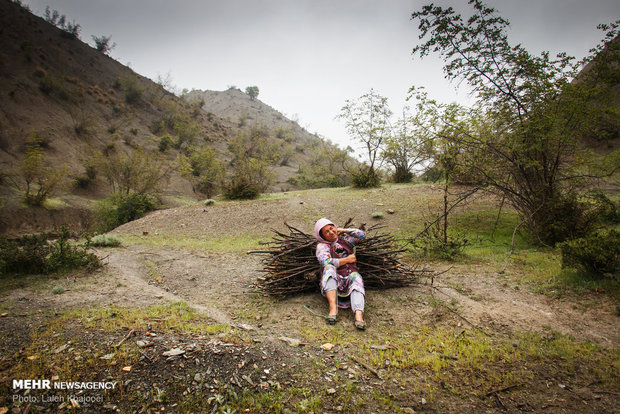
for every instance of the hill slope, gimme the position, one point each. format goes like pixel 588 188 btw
pixel 84 106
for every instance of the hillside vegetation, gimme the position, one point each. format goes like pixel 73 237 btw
pixel 84 116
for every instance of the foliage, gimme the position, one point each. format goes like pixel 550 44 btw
pixel 120 208
pixel 241 188
pixel 202 169
pixel 69 29
pixel 596 254
pixel 138 172
pixel 53 85
pixel 363 176
pixel 523 139
pixel 252 156
pixel 435 242
pixel 133 91
pixel 34 177
pixel 367 121
pixel 102 44
pixel 407 147
pixel 325 168
pixel 252 91
pixel 104 240
pixel 37 254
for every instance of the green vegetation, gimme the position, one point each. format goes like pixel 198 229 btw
pixel 36 254
pixel 522 141
pixel 598 254
pixel 122 208
pixel 104 240
pixel 34 178
pixel 252 92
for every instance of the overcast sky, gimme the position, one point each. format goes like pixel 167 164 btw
pixel 308 56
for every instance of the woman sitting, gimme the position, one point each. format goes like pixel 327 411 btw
pixel 341 282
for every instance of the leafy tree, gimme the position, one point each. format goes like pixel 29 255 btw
pixel 523 139
pixel 408 146
pixel 102 44
pixel 367 120
pixel 252 157
pixel 37 180
pixel 327 167
pixel 202 169
pixel 252 91
pixel 137 172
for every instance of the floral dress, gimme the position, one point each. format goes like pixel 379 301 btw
pixel 347 276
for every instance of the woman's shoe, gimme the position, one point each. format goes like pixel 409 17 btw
pixel 331 319
pixel 361 325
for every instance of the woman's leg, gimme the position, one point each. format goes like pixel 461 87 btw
pixel 331 293
pixel 357 305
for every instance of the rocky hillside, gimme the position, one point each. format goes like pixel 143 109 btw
pixel 83 105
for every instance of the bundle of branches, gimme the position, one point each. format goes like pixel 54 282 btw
pixel 291 265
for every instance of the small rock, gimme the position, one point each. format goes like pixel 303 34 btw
pixel 198 377
pixel 331 391
pixel 174 352
pixel 423 401
pixel 127 369
pixel 327 346
pixel 390 211
pixel 108 356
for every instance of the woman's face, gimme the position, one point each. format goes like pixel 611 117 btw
pixel 330 233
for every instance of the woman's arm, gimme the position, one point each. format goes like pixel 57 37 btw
pixel 323 254
pixel 352 236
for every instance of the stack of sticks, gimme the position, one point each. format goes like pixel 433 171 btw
pixel 291 265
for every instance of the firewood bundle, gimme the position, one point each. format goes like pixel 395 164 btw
pixel 291 265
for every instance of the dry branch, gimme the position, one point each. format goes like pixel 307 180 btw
pixel 291 266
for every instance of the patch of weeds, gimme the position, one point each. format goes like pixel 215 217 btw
pixel 57 290
pixel 469 363
pixel 240 243
pixel 105 240
pixel 172 317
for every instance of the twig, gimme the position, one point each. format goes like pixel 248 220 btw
pixel 506 388
pixel 368 367
pixel 125 338
pixel 145 355
pixel 512 246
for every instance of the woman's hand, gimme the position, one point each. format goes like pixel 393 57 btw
pixel 342 231
pixel 349 259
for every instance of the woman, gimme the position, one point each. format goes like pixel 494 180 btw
pixel 341 282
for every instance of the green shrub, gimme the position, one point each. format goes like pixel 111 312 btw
pixel 164 143
pixel 104 240
pixel 119 209
pixel 365 177
pixel 597 254
pixel 240 188
pixel 432 243
pixel 568 217
pixel 37 254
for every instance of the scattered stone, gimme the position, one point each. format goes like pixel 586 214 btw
pixel 127 368
pixel 144 344
pixel 197 377
pixel 291 341
pixel 423 401
pixel 246 327
pixel 62 348
pixel 4 315
pixel 173 352
pixel 331 391
pixel 108 356
pixel 390 211
pixel 327 346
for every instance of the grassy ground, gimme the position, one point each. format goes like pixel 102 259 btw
pixel 423 351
